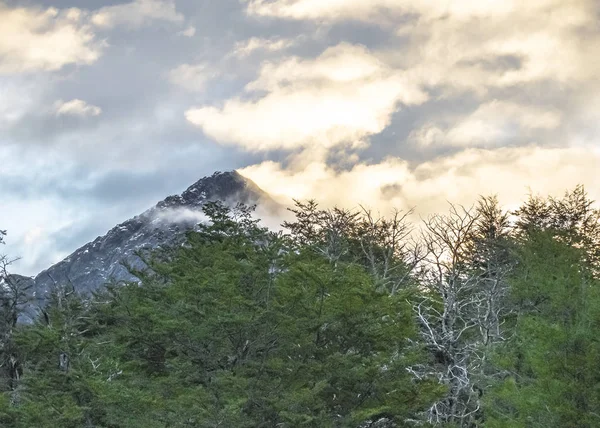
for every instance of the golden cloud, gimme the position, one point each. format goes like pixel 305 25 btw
pixel 456 42
pixel 493 123
pixel 254 44
pixel 343 96
pixel 34 39
pixel 76 107
pixel 511 173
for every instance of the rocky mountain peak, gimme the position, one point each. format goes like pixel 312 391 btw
pixel 103 260
pixel 224 186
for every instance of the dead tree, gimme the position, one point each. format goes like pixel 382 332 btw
pixel 14 294
pixel 461 311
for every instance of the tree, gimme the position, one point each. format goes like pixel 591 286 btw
pixel 491 258
pixel 14 294
pixel 59 381
pixel 571 219
pixel 344 321
pixel 381 245
pixel 463 306
pixel 244 327
pixel 551 361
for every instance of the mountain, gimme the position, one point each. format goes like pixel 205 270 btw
pixel 165 224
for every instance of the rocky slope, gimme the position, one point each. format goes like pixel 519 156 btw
pixel 165 224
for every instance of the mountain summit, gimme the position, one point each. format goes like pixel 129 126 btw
pixel 165 224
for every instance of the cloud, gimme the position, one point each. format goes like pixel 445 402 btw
pixel 181 215
pixel 493 123
pixel 375 10
pixel 192 77
pixel 17 97
pixel 36 39
pixel 319 9
pixel 497 52
pixel 342 96
pixel 443 52
pixel 30 224
pixel 340 10
pixel 33 235
pixel 385 102
pixel 137 14
pixel 188 32
pixel 33 39
pixel 247 47
pixel 461 44
pixel 76 107
pixel 458 178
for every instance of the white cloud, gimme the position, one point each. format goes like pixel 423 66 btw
pixel 337 10
pixel 448 48
pixel 137 14
pixel 498 52
pixel 181 215
pixel 340 10
pixel 192 77
pixel 459 178
pixel 188 32
pixel 76 107
pixel 18 96
pixel 30 225
pixel 493 123
pixel 517 59
pixel 318 9
pixel 247 47
pixel 454 43
pixel 341 64
pixel 33 39
pixel 32 236
pixel 343 96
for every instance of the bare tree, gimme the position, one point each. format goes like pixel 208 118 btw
pixel 463 306
pixel 13 296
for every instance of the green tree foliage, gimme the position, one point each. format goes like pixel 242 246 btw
pixel 487 320
pixel 551 376
pixel 58 387
pixel 551 362
pixel 378 244
pixel 239 327
pixel 572 219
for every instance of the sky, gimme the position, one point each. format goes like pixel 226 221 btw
pixel 107 107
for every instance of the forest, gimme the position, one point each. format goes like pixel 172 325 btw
pixel 476 317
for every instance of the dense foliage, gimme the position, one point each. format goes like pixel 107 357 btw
pixel 486 319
